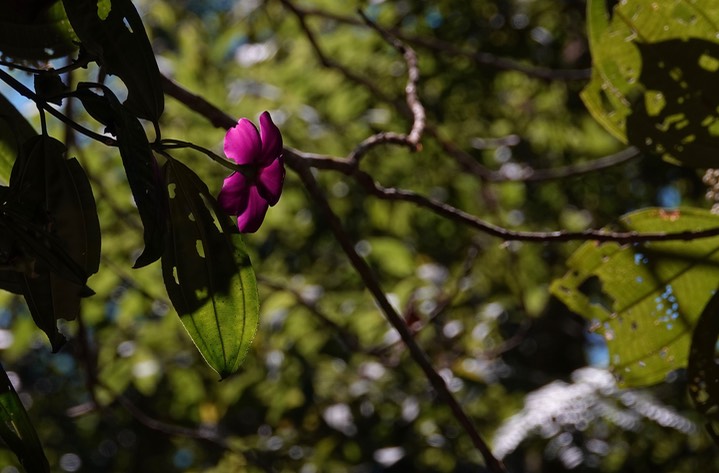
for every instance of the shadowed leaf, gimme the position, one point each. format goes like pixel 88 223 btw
pixel 645 298
pixel 17 431
pixel 141 168
pixel 208 273
pixel 117 38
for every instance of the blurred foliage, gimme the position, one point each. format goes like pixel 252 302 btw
pixel 326 385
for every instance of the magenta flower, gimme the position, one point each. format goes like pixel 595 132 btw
pixel 248 194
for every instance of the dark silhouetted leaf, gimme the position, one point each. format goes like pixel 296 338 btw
pixel 208 273
pixel 35 30
pixel 55 223
pixel 14 131
pixel 17 431
pixel 49 87
pixel 703 370
pixel 142 171
pixel 645 299
pixel 117 38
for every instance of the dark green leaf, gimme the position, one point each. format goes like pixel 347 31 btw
pixel 14 131
pixel 208 273
pixel 142 171
pixel 645 299
pixel 117 38
pixel 17 431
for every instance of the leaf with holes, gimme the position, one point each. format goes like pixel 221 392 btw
pixel 112 31
pixel 208 273
pixel 17 431
pixel 652 82
pixel 645 299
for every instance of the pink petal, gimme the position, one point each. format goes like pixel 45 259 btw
pixel 242 143
pixel 251 219
pixel 270 180
pixel 271 139
pixel 234 194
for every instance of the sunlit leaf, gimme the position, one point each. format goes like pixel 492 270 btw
pixel 645 299
pixel 143 173
pixel 652 81
pixel 208 273
pixel 17 431
pixel 14 131
pixel 35 30
pixel 113 32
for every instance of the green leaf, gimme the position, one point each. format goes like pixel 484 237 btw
pixel 14 131
pixel 208 273
pixel 652 81
pixel 645 299
pixel 143 173
pixel 17 431
pixel 702 370
pixel 35 30
pixel 118 39
pixel 51 196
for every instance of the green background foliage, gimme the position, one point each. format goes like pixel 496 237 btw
pixel 326 385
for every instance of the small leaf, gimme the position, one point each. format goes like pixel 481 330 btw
pixel 118 39
pixel 702 370
pixel 49 87
pixel 645 299
pixel 17 431
pixel 208 273
pixel 14 131
pixel 141 168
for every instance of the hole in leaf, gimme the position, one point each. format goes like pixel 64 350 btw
pixel 201 293
pixel 171 190
pixel 200 248
pixel 174 275
pixel 211 210
pixel 592 288
pixel 710 63
pixel 103 9
pixel 127 25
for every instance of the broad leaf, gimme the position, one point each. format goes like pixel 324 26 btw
pixel 53 203
pixel 703 370
pixel 652 81
pixel 35 30
pixel 14 131
pixel 208 273
pixel 17 431
pixel 117 38
pixel 143 173
pixel 645 299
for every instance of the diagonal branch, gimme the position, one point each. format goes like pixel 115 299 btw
pixel 370 281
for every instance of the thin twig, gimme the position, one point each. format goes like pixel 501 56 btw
pixel 370 281
pixel 481 58
pixel 24 91
pixel 295 158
